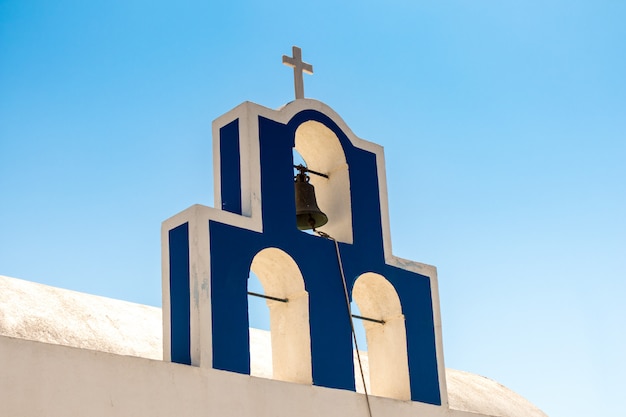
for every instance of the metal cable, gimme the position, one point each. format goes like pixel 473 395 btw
pixel 345 292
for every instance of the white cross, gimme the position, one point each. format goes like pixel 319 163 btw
pixel 298 67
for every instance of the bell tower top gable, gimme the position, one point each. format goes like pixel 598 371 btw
pixel 320 135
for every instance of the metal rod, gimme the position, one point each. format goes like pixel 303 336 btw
pixel 303 169
pixel 368 319
pixel 269 297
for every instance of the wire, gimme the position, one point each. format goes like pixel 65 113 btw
pixel 345 292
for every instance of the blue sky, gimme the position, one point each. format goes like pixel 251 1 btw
pixel 504 127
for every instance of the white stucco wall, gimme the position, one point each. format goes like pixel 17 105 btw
pixel 56 378
pixel 41 379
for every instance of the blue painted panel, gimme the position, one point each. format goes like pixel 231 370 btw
pixel 179 294
pixel 414 291
pixel 231 256
pixel 230 167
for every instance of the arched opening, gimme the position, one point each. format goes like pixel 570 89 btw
pixel 320 148
pixel 386 342
pixel 282 280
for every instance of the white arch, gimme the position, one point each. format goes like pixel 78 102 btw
pixel 320 148
pixel 289 321
pixel 386 343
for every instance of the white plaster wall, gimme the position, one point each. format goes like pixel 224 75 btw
pixel 39 379
pixel 42 313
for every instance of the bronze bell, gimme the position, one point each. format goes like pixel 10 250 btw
pixel 308 214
